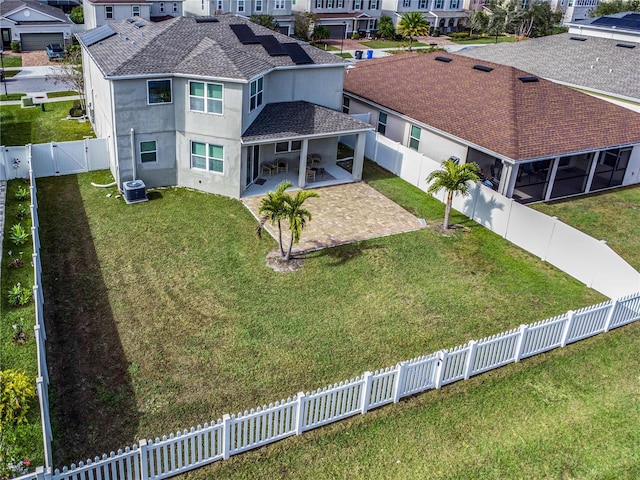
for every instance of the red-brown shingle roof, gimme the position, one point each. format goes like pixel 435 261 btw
pixel 494 110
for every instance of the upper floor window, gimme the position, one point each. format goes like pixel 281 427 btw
pixel 346 101
pixel 422 4
pixel 240 6
pixel 406 3
pixel 318 3
pixel 414 138
pixel 158 91
pixel 357 4
pixel 454 4
pixel 135 10
pixel 148 151
pixel 279 5
pixel 438 4
pixel 382 123
pixel 205 97
pixel 255 99
pixel 258 6
pixel 162 6
pixel 175 7
pixel 373 5
pixel 108 12
pixel 219 5
pixel 340 3
pixel 329 3
pixel 205 156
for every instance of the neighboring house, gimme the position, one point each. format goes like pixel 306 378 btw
pixel 343 18
pixel 535 139
pixel 210 102
pixel 33 25
pixel 619 26
pixel 103 12
pixel 65 5
pixel 279 9
pixel 445 15
pixel 600 66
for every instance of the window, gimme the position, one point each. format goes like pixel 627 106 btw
pixel 207 157
pixel 108 12
pixel 382 123
pixel 340 3
pixel 292 146
pixel 255 99
pixel 258 5
pixel 454 5
pixel 162 6
pixel 219 5
pixel 175 7
pixel 158 91
pixel 329 3
pixel 345 104
pixel 414 140
pixel 240 6
pixel 148 151
pixel 205 97
pixel 135 10
pixel 406 3
pixel 318 3
pixel 279 5
pixel 373 5
pixel 422 4
pixel 357 4
pixel 438 4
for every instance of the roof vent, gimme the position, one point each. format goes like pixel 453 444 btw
pixel 579 39
pixel 138 25
pixel 130 20
pixel 529 79
pixel 444 59
pixel 625 45
pixel 206 20
pixel 482 68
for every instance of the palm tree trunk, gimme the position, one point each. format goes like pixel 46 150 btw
pixel 288 255
pixel 447 210
pixel 280 239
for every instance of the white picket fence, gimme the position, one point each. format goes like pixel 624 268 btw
pixel 233 434
pixel 585 258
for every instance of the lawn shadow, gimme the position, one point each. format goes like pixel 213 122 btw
pixel 93 399
pixel 341 254
pixel 154 195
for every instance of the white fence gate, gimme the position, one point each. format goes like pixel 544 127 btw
pixel 583 257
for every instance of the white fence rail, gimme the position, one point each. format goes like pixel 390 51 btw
pixel 583 257
pixel 56 158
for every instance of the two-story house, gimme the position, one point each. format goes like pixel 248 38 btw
pixel 32 24
pixel 445 15
pixel 102 12
pixel 215 103
pixel 279 9
pixel 343 18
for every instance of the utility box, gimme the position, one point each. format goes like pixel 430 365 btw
pixel 134 191
pixel 26 102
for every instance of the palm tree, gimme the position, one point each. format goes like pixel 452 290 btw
pixel 273 209
pixel 413 24
pixel 297 215
pixel 454 178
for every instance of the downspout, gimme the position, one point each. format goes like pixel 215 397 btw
pixel 133 155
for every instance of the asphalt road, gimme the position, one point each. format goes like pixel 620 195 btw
pixel 32 80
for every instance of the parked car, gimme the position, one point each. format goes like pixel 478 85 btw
pixel 54 51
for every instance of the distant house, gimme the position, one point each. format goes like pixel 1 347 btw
pixel 534 139
pixel 445 15
pixel 343 18
pixel 218 104
pixel 32 24
pixel 618 26
pixel 103 12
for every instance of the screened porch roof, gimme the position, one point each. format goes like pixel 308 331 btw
pixel 296 120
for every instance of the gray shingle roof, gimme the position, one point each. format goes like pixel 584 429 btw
pixel 585 64
pixel 184 46
pixel 299 119
pixel 7 6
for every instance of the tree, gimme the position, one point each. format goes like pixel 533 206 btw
pixel 272 208
pixel 303 23
pixel 386 28
pixel 454 178
pixel 320 33
pixel 69 73
pixel 77 15
pixel 413 24
pixel 297 215
pixel 268 21
pixel 477 21
pixel 498 20
pixel 615 6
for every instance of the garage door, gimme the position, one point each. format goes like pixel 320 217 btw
pixel 336 31
pixel 37 41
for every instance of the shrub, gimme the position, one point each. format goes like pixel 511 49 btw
pixel 355 36
pixel 76 110
pixel 15 46
pixel 22 193
pixel 19 296
pixel 22 212
pixel 459 35
pixel 16 262
pixel 18 234
pixel 16 389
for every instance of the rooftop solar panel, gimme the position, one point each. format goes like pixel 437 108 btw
pixel 271 45
pixel 297 53
pixel 97 35
pixel 244 34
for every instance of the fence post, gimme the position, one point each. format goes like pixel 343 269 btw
pixel 612 309
pixel 144 461
pixel 41 474
pixel 439 370
pixel 300 412
pixel 46 421
pixel 366 392
pixel 520 344
pixel 226 435
pixel 397 387
pixel 468 366
pixel 567 327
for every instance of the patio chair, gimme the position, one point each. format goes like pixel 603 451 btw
pixel 314 159
pixel 268 168
pixel 311 175
pixel 282 165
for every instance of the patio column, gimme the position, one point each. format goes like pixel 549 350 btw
pixel 592 171
pixel 508 179
pixel 358 157
pixel 302 171
pixel 552 178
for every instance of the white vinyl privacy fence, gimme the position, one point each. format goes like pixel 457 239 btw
pixel 233 434
pixel 583 257
pixel 55 158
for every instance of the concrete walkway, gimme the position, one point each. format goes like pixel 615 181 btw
pixel 344 214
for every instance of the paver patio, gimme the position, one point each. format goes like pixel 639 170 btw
pixel 345 214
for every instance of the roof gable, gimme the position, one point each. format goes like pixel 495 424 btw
pixel 495 109
pixel 26 11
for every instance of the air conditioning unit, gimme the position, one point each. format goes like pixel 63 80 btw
pixel 134 191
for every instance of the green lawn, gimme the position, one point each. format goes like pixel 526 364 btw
pixel 67 93
pixel 9 61
pixel 31 125
pixel 506 39
pixel 12 96
pixel 163 314
pixel 10 74
pixel 391 44
pixel 613 216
